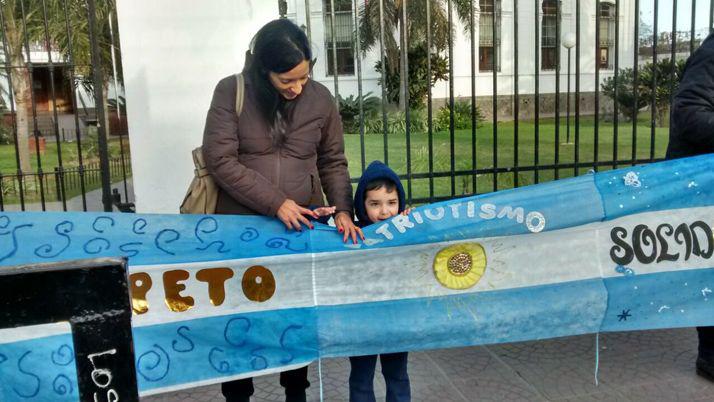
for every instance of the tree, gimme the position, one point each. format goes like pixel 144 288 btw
pixel 415 26
pixel 625 92
pixel 665 86
pixel 419 81
pixel 24 22
pixel 78 44
pixel 15 34
pixel 662 92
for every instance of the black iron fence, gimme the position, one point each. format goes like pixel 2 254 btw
pixel 515 125
pixel 64 185
pixel 505 123
pixel 63 129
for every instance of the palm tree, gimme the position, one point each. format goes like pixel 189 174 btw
pixel 78 45
pixel 68 32
pixel 16 34
pixel 415 27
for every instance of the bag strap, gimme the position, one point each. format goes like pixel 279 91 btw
pixel 240 89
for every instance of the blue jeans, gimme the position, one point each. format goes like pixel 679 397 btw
pixel 394 369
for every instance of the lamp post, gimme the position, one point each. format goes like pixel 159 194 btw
pixel 569 41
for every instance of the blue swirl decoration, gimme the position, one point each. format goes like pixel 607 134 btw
pixel 99 219
pixel 97 245
pixel 138 226
pixel 208 225
pixel 62 385
pixel 281 242
pixel 4 224
pixel 129 249
pixel 221 366
pixel 47 250
pixel 294 233
pixel 153 365
pixel 164 237
pixel 283 341
pixel 249 234
pixel 185 337
pixel 63 356
pixel 236 331
pixel 258 358
pixel 35 391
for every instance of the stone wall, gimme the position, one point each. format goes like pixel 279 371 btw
pixel 527 102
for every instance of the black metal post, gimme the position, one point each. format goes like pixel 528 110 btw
pixel 93 295
pixel 516 101
pixel 429 107
pixel 358 65
pixel 567 106
pixel 451 98
pixel 99 106
pixel 536 103
pixel 405 71
pixel 334 53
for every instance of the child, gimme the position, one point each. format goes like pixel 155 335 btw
pixel 379 196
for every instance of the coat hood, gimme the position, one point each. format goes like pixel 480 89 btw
pixel 376 170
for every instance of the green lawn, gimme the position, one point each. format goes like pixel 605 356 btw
pixel 50 159
pixel 51 186
pixel 374 149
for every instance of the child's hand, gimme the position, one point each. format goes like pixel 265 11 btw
pixel 407 211
pixel 324 211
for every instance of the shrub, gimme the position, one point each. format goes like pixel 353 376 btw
pixel 397 122
pixel 349 110
pixel 419 82
pixel 6 135
pixel 625 88
pixel 462 116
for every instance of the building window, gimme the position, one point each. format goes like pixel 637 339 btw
pixel 489 50
pixel 343 37
pixel 548 49
pixel 607 34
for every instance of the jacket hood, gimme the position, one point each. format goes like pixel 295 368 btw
pixel 376 170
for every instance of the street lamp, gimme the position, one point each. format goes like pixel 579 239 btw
pixel 569 40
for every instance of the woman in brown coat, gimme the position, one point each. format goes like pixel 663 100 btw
pixel 280 154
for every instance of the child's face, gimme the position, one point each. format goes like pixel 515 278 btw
pixel 381 204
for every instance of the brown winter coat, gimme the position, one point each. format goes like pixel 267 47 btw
pixel 253 177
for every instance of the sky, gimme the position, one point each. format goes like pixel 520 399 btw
pixel 684 14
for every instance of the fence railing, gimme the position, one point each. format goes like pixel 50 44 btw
pixel 480 129
pixel 60 184
pixel 58 58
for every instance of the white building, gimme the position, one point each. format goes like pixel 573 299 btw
pixel 528 42
pixel 175 51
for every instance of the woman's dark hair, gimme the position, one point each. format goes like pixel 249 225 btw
pixel 278 47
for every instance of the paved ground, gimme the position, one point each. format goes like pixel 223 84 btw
pixel 634 366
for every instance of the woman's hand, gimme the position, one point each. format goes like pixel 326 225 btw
pixel 346 225
pixel 292 215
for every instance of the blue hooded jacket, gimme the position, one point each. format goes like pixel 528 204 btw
pixel 375 171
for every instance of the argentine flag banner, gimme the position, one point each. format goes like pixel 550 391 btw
pixel 224 297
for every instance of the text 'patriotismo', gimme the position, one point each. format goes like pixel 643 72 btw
pixel 534 220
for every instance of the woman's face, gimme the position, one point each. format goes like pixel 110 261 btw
pixel 290 83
